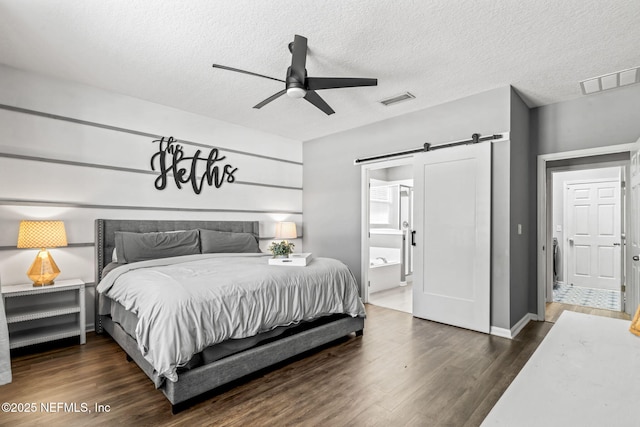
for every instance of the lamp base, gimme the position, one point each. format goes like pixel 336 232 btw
pixel 43 270
pixel 39 284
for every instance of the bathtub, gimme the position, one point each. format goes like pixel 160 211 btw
pixel 384 268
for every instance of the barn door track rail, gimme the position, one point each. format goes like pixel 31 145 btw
pixel 475 138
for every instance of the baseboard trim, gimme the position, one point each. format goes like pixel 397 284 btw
pixel 515 330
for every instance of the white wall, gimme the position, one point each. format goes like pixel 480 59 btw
pixel 78 153
pixel 400 173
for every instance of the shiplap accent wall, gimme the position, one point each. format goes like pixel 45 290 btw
pixel 76 153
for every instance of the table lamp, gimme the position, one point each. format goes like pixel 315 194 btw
pixel 286 230
pixel 43 235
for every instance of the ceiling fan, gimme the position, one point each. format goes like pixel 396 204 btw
pixel 299 85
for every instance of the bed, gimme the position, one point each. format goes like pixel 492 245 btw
pixel 240 324
pixel 586 372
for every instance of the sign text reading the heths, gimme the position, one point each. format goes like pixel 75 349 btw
pixel 171 159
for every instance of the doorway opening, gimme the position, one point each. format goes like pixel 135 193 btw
pixel 587 228
pixel 387 250
pixel 583 218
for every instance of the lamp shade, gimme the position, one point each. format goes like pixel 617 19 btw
pixel 286 230
pixel 41 234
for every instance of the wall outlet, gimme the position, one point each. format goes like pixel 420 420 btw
pixel 519 228
pixel 559 228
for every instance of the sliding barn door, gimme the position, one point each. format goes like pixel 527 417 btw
pixel 452 256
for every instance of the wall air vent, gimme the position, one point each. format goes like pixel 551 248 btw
pixel 398 98
pixel 610 81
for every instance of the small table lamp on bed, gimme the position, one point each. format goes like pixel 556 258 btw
pixel 286 230
pixel 42 234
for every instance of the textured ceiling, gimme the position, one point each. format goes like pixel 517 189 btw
pixel 439 50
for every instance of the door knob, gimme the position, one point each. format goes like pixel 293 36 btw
pixel 636 258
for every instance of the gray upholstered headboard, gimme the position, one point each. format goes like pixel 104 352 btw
pixel 106 228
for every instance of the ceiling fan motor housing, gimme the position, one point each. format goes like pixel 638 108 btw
pixel 295 88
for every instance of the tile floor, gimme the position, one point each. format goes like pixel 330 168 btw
pixel 399 298
pixel 589 297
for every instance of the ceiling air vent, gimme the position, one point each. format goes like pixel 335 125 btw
pixel 395 99
pixel 610 81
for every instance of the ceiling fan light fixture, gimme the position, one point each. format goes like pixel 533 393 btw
pixel 296 92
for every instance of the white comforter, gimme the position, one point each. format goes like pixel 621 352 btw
pixel 185 304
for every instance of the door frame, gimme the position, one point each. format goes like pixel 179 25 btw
pixel 364 210
pixel 545 235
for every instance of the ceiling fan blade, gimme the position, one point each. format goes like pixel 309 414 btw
pixel 299 57
pixel 316 100
pixel 271 98
pixel 245 72
pixel 317 83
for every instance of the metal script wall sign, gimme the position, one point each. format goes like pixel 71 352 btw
pixel 171 160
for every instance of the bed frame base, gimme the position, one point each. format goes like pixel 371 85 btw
pixel 198 381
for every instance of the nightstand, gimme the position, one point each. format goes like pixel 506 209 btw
pixel 41 314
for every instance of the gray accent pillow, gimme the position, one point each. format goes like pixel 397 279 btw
pixel 133 247
pixel 213 242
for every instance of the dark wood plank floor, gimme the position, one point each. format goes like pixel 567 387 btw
pixel 403 371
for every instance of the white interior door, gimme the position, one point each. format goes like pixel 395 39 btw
pixel 633 240
pixel 594 235
pixel 452 224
